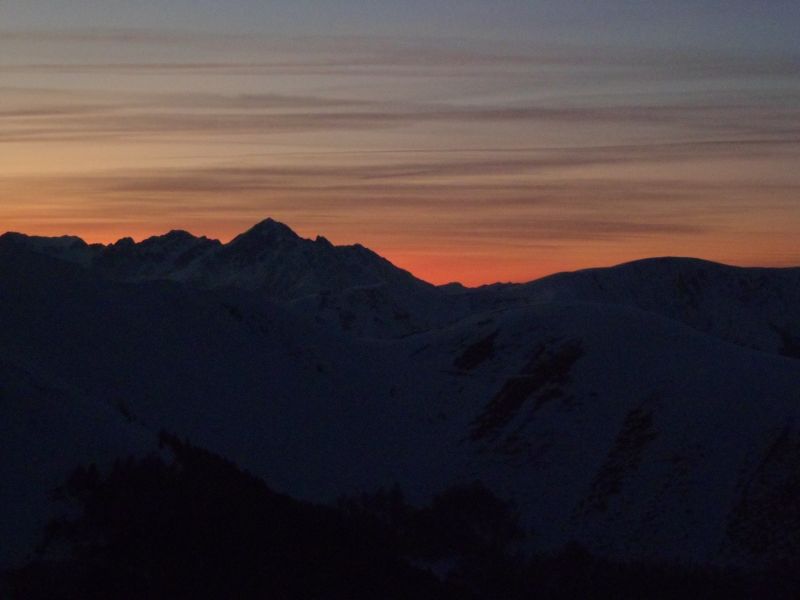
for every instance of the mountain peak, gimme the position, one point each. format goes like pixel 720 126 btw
pixel 323 241
pixel 272 229
pixel 266 234
pixel 125 242
pixel 174 238
pixel 178 234
pixel 35 240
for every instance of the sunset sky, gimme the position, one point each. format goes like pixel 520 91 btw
pixel 462 139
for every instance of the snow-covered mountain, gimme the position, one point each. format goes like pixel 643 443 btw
pixel 349 286
pixel 365 295
pixel 269 258
pixel 755 308
pixel 646 410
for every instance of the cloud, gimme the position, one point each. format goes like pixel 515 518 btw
pixel 160 116
pixel 106 35
pixel 482 173
pixel 56 111
pixel 242 53
pixel 433 193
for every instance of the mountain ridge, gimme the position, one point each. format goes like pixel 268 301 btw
pixel 267 247
pixel 355 289
pixel 270 230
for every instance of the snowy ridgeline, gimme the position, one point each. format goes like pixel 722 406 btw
pixel 647 410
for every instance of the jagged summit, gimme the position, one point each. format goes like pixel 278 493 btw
pixel 267 230
pixel 125 242
pixel 174 236
pixel 42 241
pixel 66 247
pixel 269 257
pixel 176 240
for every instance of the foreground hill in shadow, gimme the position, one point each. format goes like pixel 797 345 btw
pixel 195 526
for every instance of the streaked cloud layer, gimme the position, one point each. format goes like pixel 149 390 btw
pixel 463 156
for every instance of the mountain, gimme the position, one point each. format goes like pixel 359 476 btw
pixel 269 259
pixel 349 286
pixel 354 289
pixel 755 308
pixel 646 410
pixel 636 435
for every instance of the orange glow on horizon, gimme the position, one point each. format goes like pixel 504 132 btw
pixel 456 159
pixel 437 267
pixel 473 266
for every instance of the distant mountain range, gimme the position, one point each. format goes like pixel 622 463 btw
pixel 645 410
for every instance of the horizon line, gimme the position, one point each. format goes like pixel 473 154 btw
pixel 319 237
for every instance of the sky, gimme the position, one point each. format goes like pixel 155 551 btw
pixel 463 140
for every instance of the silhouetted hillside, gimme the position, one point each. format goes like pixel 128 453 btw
pixel 196 526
